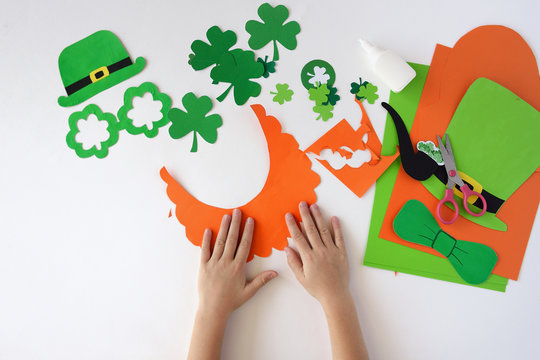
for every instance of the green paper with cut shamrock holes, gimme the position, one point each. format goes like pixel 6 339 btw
pixel 272 29
pixel 208 54
pixel 126 122
pixel 282 94
pixel 237 67
pixel 195 120
pixel 317 72
pixel 98 150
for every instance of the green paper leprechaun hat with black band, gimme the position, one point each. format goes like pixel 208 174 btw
pixel 495 145
pixel 94 64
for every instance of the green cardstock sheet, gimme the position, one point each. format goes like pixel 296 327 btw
pixel 388 255
pixel 494 136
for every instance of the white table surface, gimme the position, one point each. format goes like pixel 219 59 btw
pixel 91 267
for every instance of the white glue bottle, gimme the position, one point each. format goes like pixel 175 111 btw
pixel 391 69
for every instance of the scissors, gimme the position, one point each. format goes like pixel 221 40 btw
pixel 455 179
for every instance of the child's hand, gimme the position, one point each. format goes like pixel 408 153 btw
pixel 222 276
pixel 321 264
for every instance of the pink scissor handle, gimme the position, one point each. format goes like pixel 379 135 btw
pixel 467 192
pixel 448 197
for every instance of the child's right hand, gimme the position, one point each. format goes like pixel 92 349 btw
pixel 321 264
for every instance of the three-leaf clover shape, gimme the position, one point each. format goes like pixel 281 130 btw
pixel 112 128
pixel 126 122
pixel 319 76
pixel 207 54
pixel 195 119
pixel 272 29
pixel 269 66
pixel 364 90
pixel 237 67
pixel 322 106
pixel 283 93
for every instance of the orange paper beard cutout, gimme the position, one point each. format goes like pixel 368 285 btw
pixel 500 54
pixel 290 180
pixel 360 179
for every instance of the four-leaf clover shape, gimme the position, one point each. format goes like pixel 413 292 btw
pixel 272 29
pixel 195 120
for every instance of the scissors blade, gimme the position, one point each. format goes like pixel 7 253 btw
pixel 449 163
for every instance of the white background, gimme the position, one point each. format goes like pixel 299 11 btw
pixel 91 267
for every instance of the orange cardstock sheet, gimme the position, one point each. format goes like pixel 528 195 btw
pixel 290 180
pixel 499 54
pixel 360 179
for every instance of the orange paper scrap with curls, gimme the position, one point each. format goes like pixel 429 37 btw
pixel 360 179
pixel 499 54
pixel 290 180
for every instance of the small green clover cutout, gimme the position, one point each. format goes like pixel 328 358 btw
pixel 269 66
pixel 369 92
pixel 272 29
pixel 127 123
pixel 110 125
pixel 283 93
pixel 195 120
pixel 319 94
pixel 324 111
pixel 207 54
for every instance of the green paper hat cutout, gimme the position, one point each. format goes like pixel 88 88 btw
pixel 472 261
pixel 494 136
pixel 237 67
pixel 317 72
pixel 112 128
pixel 94 64
pixel 272 29
pixel 282 94
pixel 127 123
pixel 195 120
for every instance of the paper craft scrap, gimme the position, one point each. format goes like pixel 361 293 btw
pixel 472 261
pixel 269 66
pixel 430 149
pixel 282 94
pixel 94 64
pixel 511 146
pixel 195 119
pixel 342 137
pixel 209 54
pixel 99 148
pixel 125 113
pixel 278 196
pixel 500 54
pixel 272 29
pixel 318 76
pixel 317 72
pixel 237 67
pixel 364 90
pixel 389 255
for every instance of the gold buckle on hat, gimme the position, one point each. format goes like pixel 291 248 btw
pixel 475 184
pixel 103 70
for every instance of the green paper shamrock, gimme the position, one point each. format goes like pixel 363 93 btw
pixel 324 111
pixel 195 119
pixel 125 122
pixel 206 54
pixel 112 129
pixel 272 29
pixel 368 92
pixel 269 66
pixel 355 87
pixel 283 93
pixel 333 97
pixel 319 94
pixel 237 67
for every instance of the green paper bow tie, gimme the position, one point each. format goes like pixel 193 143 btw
pixel 472 261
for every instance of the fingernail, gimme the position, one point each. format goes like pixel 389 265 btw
pixel 314 207
pixel 249 220
pixel 288 216
pixel 206 231
pixel 335 220
pixel 272 276
pixel 236 211
pixel 303 204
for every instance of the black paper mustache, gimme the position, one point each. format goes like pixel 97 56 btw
pixel 417 165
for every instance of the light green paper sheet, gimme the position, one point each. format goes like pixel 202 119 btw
pixel 388 255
